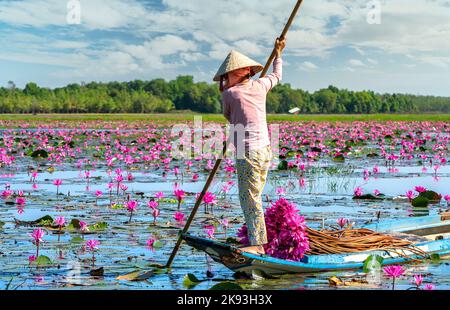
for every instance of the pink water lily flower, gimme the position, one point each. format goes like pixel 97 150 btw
pixel 38 235
pixel 21 201
pixel 131 207
pixel 376 170
pixel 179 217
pixel 209 198
pixel 155 214
pixel 209 230
pixel 83 226
pixel 280 191
pixel 342 222
pixel 429 287
pixel 150 242
pixel 358 191
pixel 159 195
pixel 418 279
pixel 57 182
pixel 7 193
pixel 60 221
pixel 153 204
pixel 447 198
pixel 92 245
pixel 410 195
pixel 179 194
pixel 420 189
pixel 393 272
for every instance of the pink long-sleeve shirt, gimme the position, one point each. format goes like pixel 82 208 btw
pixel 245 103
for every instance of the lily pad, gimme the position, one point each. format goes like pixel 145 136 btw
pixel 232 240
pixel 158 244
pixel 431 195
pixel 372 262
pixel 42 260
pixel 39 154
pixel 228 286
pixel 137 275
pixel 97 272
pixel 420 201
pixel 435 258
pixel 100 226
pixel 46 220
pixel 339 158
pixel 283 165
pixel 190 280
pixel 368 197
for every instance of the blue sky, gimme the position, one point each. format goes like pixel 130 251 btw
pixel 331 42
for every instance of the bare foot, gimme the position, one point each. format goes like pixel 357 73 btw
pixel 254 249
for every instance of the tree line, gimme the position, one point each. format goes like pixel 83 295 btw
pixel 160 96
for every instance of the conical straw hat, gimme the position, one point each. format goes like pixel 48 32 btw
pixel 236 60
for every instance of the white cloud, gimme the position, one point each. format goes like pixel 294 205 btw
pixel 356 63
pixel 307 66
pixel 95 14
pixel 443 62
pixel 136 38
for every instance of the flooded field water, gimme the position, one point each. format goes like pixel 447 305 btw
pixel 322 190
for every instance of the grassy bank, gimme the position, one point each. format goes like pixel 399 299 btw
pixel 220 118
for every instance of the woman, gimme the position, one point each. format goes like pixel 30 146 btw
pixel 244 103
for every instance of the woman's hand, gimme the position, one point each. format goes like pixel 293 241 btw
pixel 280 44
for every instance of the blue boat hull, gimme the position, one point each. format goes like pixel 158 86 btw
pixel 248 263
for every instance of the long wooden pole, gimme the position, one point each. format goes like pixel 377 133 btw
pixel 219 160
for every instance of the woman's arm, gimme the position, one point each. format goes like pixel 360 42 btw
pixel 269 81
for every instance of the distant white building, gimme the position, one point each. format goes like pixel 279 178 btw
pixel 294 111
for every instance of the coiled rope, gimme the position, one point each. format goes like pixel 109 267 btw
pixel 358 240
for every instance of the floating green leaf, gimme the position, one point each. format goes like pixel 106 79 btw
pixel 368 197
pixel 435 258
pixel 190 280
pixel 339 158
pixel 420 201
pixel 46 220
pixel 42 260
pixel 137 275
pixel 227 285
pixel 98 226
pixel 39 154
pixel 158 244
pixel 232 240
pixel 372 262
pixel 430 195
pixel 283 165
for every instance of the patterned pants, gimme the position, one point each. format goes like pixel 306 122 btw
pixel 252 173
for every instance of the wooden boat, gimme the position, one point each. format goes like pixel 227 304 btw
pixel 430 234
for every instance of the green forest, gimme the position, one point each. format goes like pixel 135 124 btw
pixel 160 96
